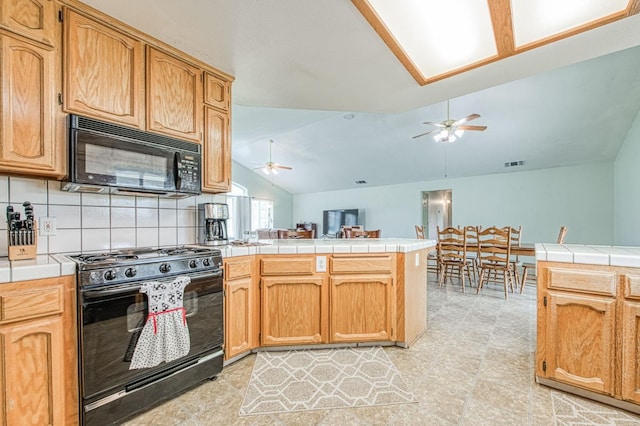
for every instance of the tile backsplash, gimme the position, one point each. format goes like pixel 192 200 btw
pixel 101 222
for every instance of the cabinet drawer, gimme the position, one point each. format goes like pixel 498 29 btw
pixel 303 265
pixel 234 269
pixel 584 281
pixel 631 286
pixel 20 305
pixel 382 263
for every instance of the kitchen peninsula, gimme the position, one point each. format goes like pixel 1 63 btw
pixel 589 322
pixel 324 291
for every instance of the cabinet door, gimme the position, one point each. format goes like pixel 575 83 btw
pixel 238 317
pixel 580 340
pixel 174 96
pixel 360 308
pixel 28 114
pixel 34 368
pixel 631 351
pixel 103 72
pixel 216 152
pixel 294 310
pixel 217 92
pixel 35 19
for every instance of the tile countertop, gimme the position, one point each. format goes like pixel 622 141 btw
pixel 43 266
pixel 589 254
pixel 329 245
pixel 55 265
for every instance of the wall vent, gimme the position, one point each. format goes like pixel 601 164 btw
pixel 514 163
pixel 361 182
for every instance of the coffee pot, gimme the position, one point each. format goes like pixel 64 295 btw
pixel 212 224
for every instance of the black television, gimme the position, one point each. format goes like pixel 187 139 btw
pixel 332 220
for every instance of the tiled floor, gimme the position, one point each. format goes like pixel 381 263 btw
pixel 474 366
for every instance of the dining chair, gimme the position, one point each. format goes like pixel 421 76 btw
pixel 494 251
pixel 472 249
pixel 452 255
pixel 516 238
pixel 374 233
pixel 291 234
pixel 420 232
pixel 528 265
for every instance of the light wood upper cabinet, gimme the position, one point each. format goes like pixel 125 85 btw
pixel 361 308
pixel 580 340
pixel 34 19
pixel 216 152
pixel 28 128
pixel 103 71
pixel 217 92
pixel 174 96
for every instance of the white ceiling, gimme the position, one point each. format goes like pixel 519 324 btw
pixel 301 65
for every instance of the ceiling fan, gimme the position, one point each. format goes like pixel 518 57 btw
pixel 449 130
pixel 271 168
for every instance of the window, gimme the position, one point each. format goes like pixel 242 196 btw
pixel 261 214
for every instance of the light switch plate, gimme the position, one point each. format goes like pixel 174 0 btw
pixel 47 226
pixel 418 259
pixel 321 263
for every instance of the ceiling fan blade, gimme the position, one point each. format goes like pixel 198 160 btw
pixel 480 128
pixel 424 134
pixel 279 166
pixel 433 124
pixel 466 119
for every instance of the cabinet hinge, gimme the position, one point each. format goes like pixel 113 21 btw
pixel 224 293
pixel 544 366
pixel 544 301
pixel 60 16
pixel 60 99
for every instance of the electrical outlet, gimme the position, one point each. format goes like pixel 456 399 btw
pixel 47 226
pixel 321 263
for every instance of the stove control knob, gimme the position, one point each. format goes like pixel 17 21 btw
pixel 110 275
pixel 130 272
pixel 165 267
pixel 205 262
pixel 193 263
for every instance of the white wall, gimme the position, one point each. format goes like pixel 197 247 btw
pixel 579 197
pixel 260 187
pixel 627 189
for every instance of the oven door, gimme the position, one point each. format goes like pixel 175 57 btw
pixel 112 318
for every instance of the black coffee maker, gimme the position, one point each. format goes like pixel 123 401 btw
pixel 212 224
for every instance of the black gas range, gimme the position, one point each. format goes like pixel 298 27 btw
pixel 112 315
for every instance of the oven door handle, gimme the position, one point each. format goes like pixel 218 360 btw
pixel 126 288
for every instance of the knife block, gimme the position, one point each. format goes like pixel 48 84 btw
pixel 25 251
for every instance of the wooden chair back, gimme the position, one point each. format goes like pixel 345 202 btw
pixel 494 247
pixel 516 235
pixel 374 233
pixel 562 234
pixel 471 233
pixel 300 234
pixel 452 246
pixel 420 232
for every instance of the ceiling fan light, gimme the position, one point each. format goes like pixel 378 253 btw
pixel 444 133
pixel 265 169
pixel 437 137
pixel 451 138
pixel 274 171
pixel 459 132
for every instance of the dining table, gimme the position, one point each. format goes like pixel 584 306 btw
pixel 524 249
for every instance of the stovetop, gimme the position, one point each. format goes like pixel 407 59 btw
pixel 125 255
pixel 130 265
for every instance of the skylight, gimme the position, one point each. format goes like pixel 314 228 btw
pixel 435 39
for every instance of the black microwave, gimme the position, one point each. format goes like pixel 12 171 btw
pixel 108 158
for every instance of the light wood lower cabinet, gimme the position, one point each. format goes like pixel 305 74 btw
pixel 38 353
pixel 242 306
pixel 580 340
pixel 294 310
pixel 631 351
pixel 361 308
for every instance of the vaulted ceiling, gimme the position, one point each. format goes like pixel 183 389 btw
pixel 317 79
